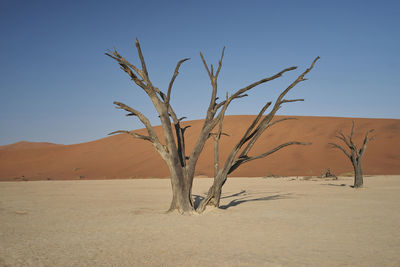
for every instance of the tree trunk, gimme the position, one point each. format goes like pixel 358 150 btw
pixel 358 177
pixel 181 193
pixel 181 200
pixel 214 193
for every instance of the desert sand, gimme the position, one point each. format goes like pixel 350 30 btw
pixel 122 156
pixel 262 222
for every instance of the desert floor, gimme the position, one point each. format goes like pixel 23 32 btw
pixel 263 222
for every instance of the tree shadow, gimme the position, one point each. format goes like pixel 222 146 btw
pixel 197 199
pixel 335 184
pixel 247 198
pixel 241 197
pixel 241 193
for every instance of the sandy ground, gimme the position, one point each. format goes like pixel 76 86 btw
pixel 263 222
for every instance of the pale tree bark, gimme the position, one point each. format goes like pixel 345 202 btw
pixel 239 154
pixel 354 153
pixel 172 148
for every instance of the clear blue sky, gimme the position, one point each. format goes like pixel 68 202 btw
pixel 58 86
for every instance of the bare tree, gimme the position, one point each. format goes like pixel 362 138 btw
pixel 355 155
pixel 172 149
pixel 249 138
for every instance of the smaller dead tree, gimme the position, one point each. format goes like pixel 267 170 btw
pixel 355 154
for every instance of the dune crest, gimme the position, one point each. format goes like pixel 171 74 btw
pixel 27 145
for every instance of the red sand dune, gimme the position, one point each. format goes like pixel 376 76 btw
pixel 122 156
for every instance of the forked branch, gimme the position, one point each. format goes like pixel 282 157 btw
pixel 245 158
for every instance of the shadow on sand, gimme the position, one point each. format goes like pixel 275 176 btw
pixel 242 197
pixel 335 184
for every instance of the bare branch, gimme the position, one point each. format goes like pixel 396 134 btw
pixel 129 68
pixel 247 88
pixel 142 118
pixel 116 56
pixel 220 63
pixel 291 100
pixel 119 131
pixel 299 79
pixel 264 124
pixel 215 134
pixel 247 134
pixel 342 137
pixel 219 105
pixel 185 128
pixel 205 65
pixel 366 139
pixel 144 69
pixel 280 120
pixel 176 72
pixel 245 158
pixel 351 136
pixel 135 135
pixel 341 148
pixel 276 149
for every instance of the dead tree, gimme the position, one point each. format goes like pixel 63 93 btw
pixel 239 154
pixel 172 148
pixel 355 155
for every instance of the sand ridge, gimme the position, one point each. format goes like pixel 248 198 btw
pixel 122 156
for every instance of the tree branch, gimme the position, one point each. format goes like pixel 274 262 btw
pixel 144 69
pixel 353 146
pixel 135 135
pixel 116 56
pixel 342 137
pixel 298 80
pixel 291 100
pixel 142 118
pixel 176 72
pixel 213 79
pixel 341 148
pixel 220 63
pixel 264 124
pixel 247 88
pixel 244 159
pixel 206 66
pixel 247 135
pixel 366 139
pixel 129 68
pixel 219 105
